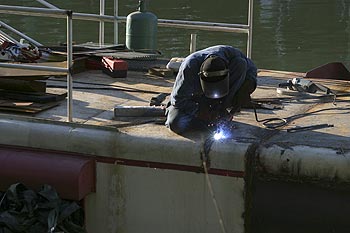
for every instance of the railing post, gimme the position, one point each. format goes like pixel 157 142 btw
pixel 193 43
pixel 102 24
pixel 239 28
pixel 116 9
pixel 69 66
pixel 250 28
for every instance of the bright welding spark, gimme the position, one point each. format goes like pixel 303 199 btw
pixel 219 135
pixel 222 132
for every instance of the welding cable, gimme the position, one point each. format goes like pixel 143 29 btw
pixel 223 229
pixel 334 99
pixel 205 163
pixel 276 122
pixel 327 91
pixel 335 96
pixel 271 123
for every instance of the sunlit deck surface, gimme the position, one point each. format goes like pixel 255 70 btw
pixel 257 170
pixel 95 107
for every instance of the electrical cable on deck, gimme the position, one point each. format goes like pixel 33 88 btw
pixel 271 123
pixel 276 122
pixel 205 160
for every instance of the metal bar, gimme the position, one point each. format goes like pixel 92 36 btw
pixel 207 28
pixel 34 67
pixel 4 36
pixel 57 13
pixel 193 43
pixel 116 29
pixel 49 5
pixel 310 127
pixel 102 25
pixel 94 17
pixel 200 23
pixel 221 27
pixel 20 34
pixel 166 22
pixel 250 32
pixel 69 67
pixel 36 11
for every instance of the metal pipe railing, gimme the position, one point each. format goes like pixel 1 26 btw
pixel 4 37
pixel 198 25
pixel 116 29
pixel 35 11
pixel 193 43
pixel 69 66
pixel 220 27
pixel 8 27
pixel 250 27
pixel 102 24
pixel 202 26
pixel 18 10
pixel 59 13
pixel 47 4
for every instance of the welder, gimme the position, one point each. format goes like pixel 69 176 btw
pixel 211 85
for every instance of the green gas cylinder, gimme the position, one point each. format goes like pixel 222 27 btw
pixel 141 29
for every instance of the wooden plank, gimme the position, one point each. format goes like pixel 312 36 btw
pixel 32 74
pixel 33 97
pixel 25 107
pixel 11 103
pixel 22 85
pixel 79 65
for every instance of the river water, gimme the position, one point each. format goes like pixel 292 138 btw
pixel 294 35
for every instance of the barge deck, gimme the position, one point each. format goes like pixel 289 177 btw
pixel 258 179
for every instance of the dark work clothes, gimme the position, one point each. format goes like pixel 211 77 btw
pixel 187 97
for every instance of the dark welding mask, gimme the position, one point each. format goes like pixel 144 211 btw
pixel 214 77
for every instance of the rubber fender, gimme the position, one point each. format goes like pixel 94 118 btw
pixel 72 176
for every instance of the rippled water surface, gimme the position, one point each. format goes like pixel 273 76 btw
pixel 295 35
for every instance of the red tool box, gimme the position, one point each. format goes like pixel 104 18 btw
pixel 94 63
pixel 116 68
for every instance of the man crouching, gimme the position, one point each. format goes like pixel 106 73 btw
pixel 211 85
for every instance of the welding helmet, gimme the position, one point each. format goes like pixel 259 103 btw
pixel 214 77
